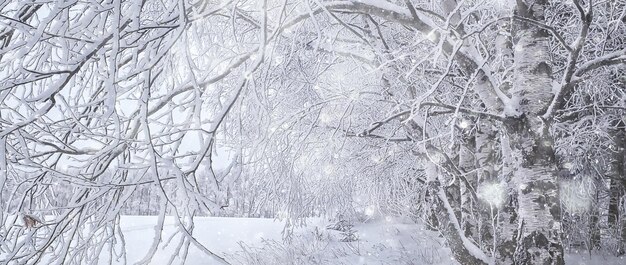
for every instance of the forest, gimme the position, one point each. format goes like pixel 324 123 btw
pixel 496 126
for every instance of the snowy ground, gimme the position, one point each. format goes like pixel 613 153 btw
pixel 258 241
pixel 220 235
pixel 586 259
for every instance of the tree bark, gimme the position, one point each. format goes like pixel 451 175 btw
pixel 463 250
pixel 617 188
pixel 594 227
pixel 467 164
pixel 530 144
pixel 539 229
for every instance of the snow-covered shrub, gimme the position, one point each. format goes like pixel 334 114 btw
pixel 349 236
pixel 347 232
pixel 299 250
pixel 341 226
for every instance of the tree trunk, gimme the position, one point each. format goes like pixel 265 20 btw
pixel 454 193
pixel 616 174
pixel 530 143
pixel 594 228
pixel 468 167
pixel 463 250
pixel 490 168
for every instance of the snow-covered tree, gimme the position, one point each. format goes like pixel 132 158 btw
pixel 468 116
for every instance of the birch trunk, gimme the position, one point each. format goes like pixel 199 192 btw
pixel 530 144
pixel 463 250
pixel 507 215
pixel 467 164
pixel 440 210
